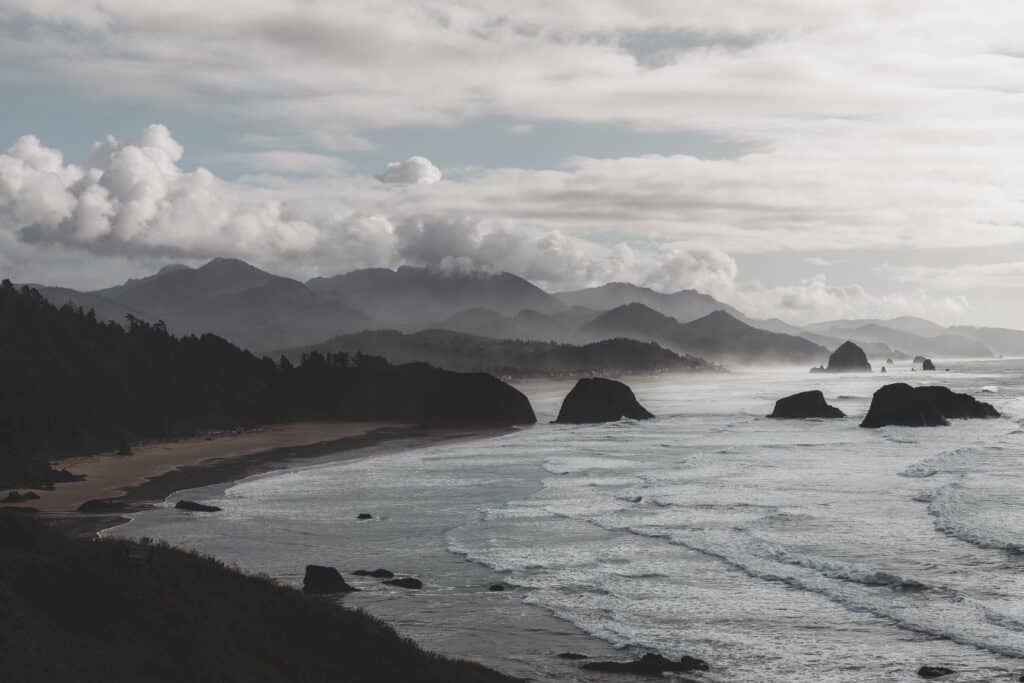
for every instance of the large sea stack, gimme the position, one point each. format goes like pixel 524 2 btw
pixel 805 404
pixel 848 358
pixel 902 404
pixel 595 399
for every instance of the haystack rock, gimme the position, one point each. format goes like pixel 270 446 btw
pixel 805 404
pixel 927 364
pixel 902 404
pixel 595 399
pixel 848 358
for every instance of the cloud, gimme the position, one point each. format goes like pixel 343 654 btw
pixel 414 170
pixel 134 200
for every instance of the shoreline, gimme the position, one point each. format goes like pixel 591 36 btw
pixel 158 469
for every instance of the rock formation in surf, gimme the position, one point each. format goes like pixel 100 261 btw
pixel 651 665
pixel 192 506
pixel 902 404
pixel 805 404
pixel 595 399
pixel 848 358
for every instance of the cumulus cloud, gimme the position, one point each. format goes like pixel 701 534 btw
pixel 135 200
pixel 413 171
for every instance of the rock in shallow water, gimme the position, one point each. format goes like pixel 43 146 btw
pixel 934 671
pixel 902 404
pixel 805 404
pixel 376 573
pixel 595 399
pixel 649 664
pixel 319 580
pixel 406 582
pixel 192 506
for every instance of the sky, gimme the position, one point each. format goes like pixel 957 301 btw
pixel 800 159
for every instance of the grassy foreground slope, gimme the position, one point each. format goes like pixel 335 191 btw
pixel 84 611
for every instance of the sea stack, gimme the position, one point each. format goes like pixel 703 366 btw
pixel 848 358
pixel 902 404
pixel 595 399
pixel 803 405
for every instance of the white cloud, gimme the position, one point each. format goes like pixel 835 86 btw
pixel 413 171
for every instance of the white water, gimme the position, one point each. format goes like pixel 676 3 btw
pixel 777 550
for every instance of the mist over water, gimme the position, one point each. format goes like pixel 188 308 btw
pixel 777 550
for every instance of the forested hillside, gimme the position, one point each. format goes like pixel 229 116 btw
pixel 513 357
pixel 73 384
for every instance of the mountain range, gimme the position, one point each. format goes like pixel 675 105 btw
pixel 265 313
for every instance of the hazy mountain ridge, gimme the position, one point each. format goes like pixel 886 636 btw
pixel 239 302
pixel 684 305
pixel 718 336
pixel 261 311
pixel 410 297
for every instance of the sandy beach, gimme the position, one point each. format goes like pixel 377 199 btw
pixel 156 469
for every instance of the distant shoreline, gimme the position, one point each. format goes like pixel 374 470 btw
pixel 158 469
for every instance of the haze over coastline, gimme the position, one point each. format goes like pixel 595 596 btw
pixel 575 340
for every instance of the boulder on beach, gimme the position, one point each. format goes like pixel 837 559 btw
pixel 595 399
pixel 406 582
pixel 649 664
pixel 934 671
pixel 848 358
pixel 15 497
pixel 320 580
pixel 376 573
pixel 192 506
pixel 932 406
pixel 97 506
pixel 803 405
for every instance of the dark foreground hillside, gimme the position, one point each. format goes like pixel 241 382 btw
pixel 112 612
pixel 72 384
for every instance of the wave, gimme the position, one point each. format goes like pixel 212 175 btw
pixel 973 518
pixel 854 588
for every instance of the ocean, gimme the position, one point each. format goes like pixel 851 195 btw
pixel 777 550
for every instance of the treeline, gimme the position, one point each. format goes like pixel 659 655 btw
pixel 72 384
pixel 514 357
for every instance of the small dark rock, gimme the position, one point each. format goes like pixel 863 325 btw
pixel 496 587
pixel 15 497
pixel 595 399
pixel 805 404
pixel 96 506
pixel 902 404
pixel 571 655
pixel 376 573
pixel 192 506
pixel 320 579
pixel 650 664
pixel 364 515
pixel 406 582
pixel 934 671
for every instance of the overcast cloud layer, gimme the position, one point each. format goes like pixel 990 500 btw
pixel 874 127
